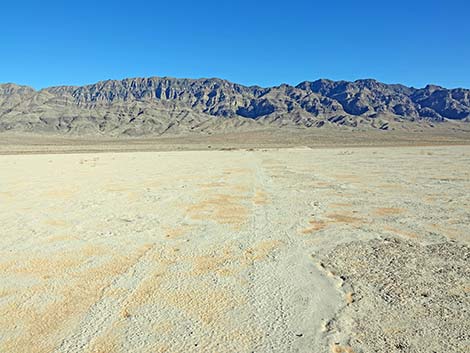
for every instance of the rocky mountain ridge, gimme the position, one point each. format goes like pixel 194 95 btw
pixel 155 106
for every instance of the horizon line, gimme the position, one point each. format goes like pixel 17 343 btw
pixel 226 80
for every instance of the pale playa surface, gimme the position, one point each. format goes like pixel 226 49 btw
pixel 215 251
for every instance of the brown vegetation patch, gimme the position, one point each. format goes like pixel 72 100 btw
pixel 430 199
pixel 213 263
pixel 176 232
pixel 336 348
pixel 340 205
pixel 118 188
pixel 52 265
pixel 146 292
pixel 332 218
pixel 314 227
pixel 242 188
pixel 106 343
pixel 341 218
pixel 60 193
pixel 221 208
pixel 388 211
pixel 261 198
pixel 402 232
pixel 215 184
pixel 261 250
pixel 56 222
pixel 59 237
pixel 5 292
pixel 322 184
pixel 165 327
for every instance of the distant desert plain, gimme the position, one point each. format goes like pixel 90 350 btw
pixel 235 244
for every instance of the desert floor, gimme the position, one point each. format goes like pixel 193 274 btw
pixel 266 250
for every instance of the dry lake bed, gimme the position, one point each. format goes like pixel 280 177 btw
pixel 278 250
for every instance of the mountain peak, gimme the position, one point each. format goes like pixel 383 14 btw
pixel 156 105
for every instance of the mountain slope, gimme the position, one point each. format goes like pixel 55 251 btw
pixel 155 106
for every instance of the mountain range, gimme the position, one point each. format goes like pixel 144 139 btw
pixel 162 105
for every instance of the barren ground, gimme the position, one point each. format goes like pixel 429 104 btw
pixel 270 250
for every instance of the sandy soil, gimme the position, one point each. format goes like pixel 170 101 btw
pixel 271 250
pixel 268 138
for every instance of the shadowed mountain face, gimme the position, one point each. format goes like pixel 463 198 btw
pixel 155 106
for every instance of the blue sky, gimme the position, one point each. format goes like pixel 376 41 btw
pixel 44 43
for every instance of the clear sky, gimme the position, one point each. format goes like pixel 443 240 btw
pixel 44 43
